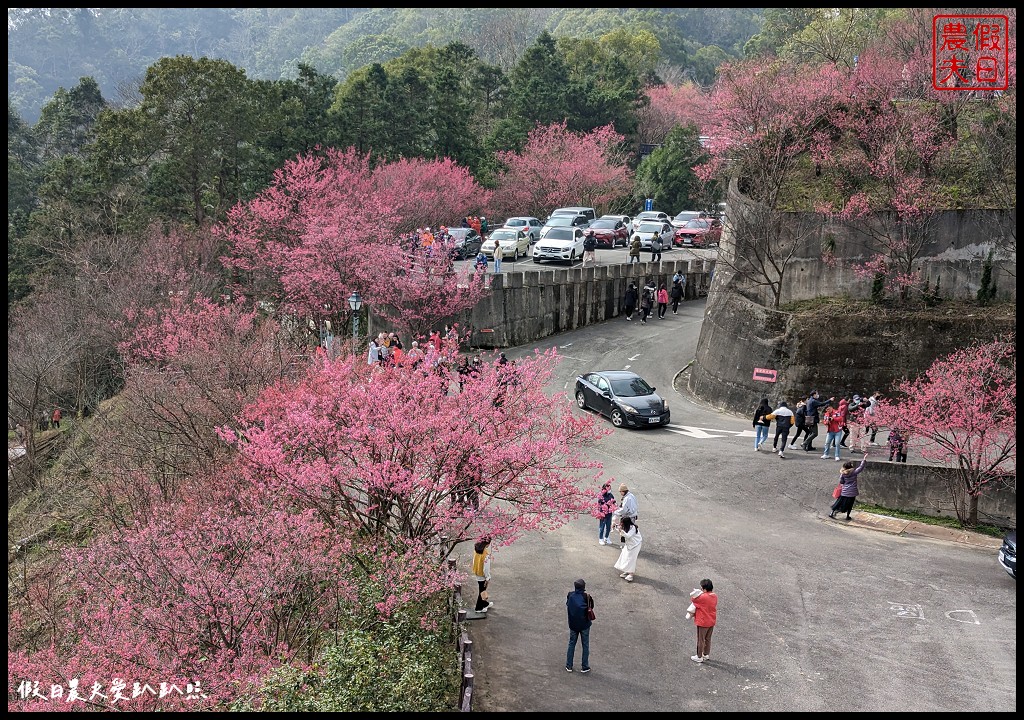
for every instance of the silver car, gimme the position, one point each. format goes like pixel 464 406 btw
pixel 529 225
pixel 649 230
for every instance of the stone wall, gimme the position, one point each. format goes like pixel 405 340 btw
pixel 953 255
pixel 832 348
pixel 922 489
pixel 527 305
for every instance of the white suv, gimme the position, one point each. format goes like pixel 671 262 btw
pixel 560 243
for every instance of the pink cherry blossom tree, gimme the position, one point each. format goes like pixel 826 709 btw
pixel 558 167
pixel 399 452
pixel 884 156
pixel 963 413
pixel 330 225
pixel 669 106
pixel 764 119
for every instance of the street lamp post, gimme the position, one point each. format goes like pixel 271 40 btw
pixel 355 301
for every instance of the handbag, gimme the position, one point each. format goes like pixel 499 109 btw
pixel 838 491
pixel 590 607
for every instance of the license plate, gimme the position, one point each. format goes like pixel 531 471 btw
pixel 653 420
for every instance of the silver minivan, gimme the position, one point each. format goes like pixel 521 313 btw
pixel 588 212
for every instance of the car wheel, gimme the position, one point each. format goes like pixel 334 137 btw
pixel 536 259
pixel 581 400
pixel 617 419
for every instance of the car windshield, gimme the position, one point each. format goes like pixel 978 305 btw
pixel 651 227
pixel 699 224
pixel 560 234
pixel 603 225
pixel 517 222
pixel 687 215
pixel 561 220
pixel 631 387
pixel 458 233
pixel 503 235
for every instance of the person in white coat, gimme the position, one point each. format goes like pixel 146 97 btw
pixel 627 509
pixel 630 549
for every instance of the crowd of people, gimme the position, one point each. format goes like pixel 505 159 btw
pixel 652 297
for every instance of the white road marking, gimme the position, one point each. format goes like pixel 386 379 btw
pixel 693 432
pixel 627 367
pixel 566 345
pixel 634 357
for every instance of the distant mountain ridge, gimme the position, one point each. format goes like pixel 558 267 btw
pixel 51 48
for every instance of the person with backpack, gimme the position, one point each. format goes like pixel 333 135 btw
pixel 589 247
pixel 656 247
pixel 646 303
pixel 676 293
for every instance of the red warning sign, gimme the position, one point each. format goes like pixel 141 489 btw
pixel 765 374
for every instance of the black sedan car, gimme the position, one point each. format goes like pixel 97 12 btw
pixel 1008 554
pixel 465 242
pixel 622 396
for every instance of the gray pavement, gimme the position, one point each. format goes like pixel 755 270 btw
pixel 872 614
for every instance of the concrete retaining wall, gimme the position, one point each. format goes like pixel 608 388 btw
pixel 922 489
pixel 526 305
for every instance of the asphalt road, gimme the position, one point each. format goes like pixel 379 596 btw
pixel 813 615
pixel 603 256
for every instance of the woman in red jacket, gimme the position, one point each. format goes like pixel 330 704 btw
pixel 706 603
pixel 662 301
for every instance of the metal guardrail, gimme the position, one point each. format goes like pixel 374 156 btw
pixel 463 645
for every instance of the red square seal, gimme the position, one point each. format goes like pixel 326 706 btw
pixel 970 52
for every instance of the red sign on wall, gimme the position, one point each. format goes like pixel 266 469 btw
pixel 765 374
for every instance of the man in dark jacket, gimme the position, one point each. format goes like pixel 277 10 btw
pixel 798 420
pixel 813 416
pixel 578 602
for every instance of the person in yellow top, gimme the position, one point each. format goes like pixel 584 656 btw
pixel 482 572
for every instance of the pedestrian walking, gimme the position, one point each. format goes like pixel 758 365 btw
pixel 844 414
pixel 812 415
pixel 662 301
pixel 833 419
pixel 627 509
pixel 634 249
pixel 632 542
pixel 897 445
pixel 646 303
pixel 605 510
pixel 676 293
pixel 630 300
pixel 579 607
pixel 761 423
pixel 589 248
pixel 799 418
pixel 784 420
pixel 482 573
pixel 705 616
pixel 55 418
pixel 847 488
pixel 656 247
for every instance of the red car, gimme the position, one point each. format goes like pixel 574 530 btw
pixel 699 233
pixel 610 233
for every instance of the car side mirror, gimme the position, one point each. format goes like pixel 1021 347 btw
pixel 653 388
pixel 606 393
